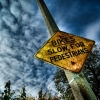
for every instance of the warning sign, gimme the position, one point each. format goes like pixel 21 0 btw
pixel 66 50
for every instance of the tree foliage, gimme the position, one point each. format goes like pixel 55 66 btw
pixel 62 85
pixel 8 94
pixel 91 70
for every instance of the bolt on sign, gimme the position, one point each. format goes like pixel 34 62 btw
pixel 66 51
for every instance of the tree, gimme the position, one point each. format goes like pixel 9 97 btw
pixel 62 85
pixel 8 94
pixel 91 70
pixel 23 94
pixel 40 93
pixel 30 98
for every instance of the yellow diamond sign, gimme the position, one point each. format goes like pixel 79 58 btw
pixel 66 51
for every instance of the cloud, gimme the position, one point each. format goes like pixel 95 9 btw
pixel 92 31
pixel 4 3
pixel 72 16
pixel 27 6
pixel 22 33
pixel 16 10
pixel 51 86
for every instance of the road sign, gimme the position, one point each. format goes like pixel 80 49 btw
pixel 66 50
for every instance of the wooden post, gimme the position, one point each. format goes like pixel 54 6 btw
pixel 80 87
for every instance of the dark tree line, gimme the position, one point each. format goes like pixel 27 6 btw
pixel 91 70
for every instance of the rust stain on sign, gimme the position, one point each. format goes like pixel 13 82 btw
pixel 66 50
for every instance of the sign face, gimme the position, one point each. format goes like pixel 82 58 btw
pixel 66 51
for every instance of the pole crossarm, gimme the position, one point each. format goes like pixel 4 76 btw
pixel 80 87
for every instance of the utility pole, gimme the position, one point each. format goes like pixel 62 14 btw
pixel 79 85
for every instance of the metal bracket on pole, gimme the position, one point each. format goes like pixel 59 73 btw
pixel 80 87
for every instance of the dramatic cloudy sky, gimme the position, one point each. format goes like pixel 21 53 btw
pixel 23 32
